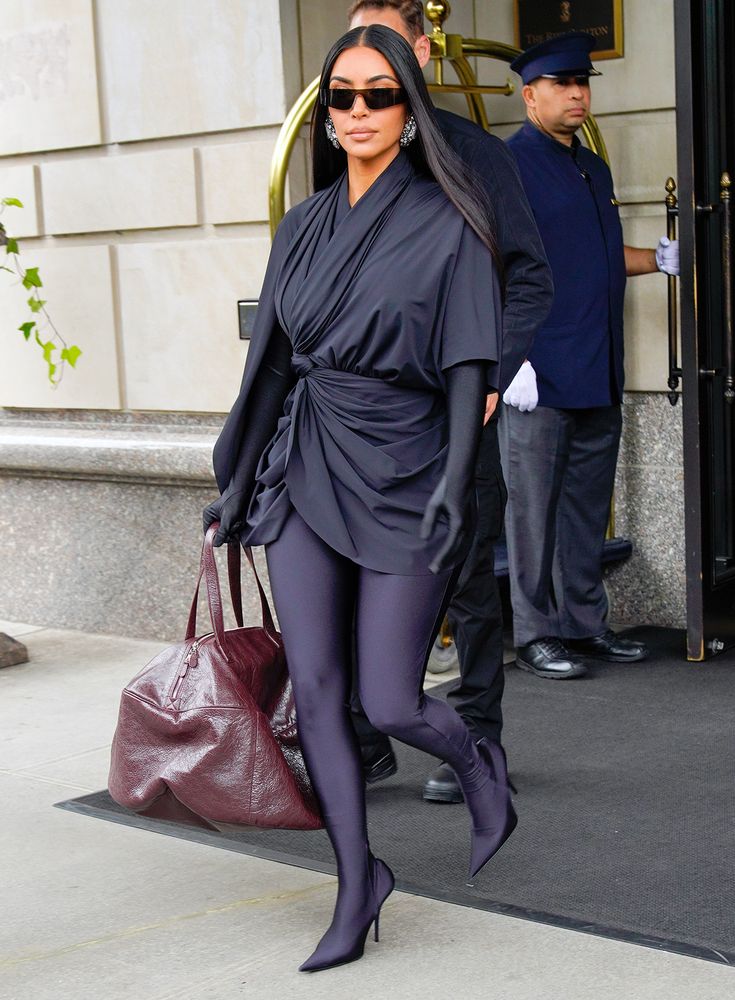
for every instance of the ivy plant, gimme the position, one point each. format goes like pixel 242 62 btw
pixel 39 327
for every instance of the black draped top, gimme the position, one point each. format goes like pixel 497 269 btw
pixel 377 300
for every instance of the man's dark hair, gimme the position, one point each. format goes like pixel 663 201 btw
pixel 410 11
pixel 429 153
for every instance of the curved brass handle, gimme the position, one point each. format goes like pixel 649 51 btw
pixel 672 212
pixel 725 185
pixel 453 48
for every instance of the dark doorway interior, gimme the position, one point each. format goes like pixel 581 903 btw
pixel 705 68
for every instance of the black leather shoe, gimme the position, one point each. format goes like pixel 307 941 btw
pixel 609 646
pixel 379 763
pixel 442 786
pixel 547 657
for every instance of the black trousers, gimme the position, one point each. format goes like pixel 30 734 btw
pixel 560 470
pixel 474 611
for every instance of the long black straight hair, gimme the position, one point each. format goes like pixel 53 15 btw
pixel 429 153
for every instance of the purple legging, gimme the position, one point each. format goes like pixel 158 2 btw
pixel 318 593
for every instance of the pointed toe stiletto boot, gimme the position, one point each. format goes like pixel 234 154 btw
pixel 344 944
pixel 491 807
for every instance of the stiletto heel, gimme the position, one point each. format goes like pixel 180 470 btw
pixel 327 956
pixel 508 782
pixel 493 803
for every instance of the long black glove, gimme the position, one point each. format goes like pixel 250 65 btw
pixel 275 381
pixel 466 389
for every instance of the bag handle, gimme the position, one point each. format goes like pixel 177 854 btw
pixel 233 569
pixel 233 575
pixel 208 570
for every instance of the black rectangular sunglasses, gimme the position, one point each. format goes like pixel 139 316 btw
pixel 376 98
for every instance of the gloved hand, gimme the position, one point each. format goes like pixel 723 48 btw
pixel 667 255
pixel 523 391
pixel 466 389
pixel 454 505
pixel 230 510
pixel 273 384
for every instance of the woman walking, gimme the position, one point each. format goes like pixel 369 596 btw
pixel 351 448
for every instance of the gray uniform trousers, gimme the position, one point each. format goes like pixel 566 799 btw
pixel 559 468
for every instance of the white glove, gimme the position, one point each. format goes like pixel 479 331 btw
pixel 522 391
pixel 667 255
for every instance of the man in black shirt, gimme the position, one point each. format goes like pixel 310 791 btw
pixel 475 610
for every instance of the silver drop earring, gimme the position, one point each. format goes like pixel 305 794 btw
pixel 331 131
pixel 409 131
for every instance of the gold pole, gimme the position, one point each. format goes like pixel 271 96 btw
pixel 289 133
pixel 437 11
pixel 593 138
pixel 474 101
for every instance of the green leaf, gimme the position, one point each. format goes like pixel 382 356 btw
pixel 51 370
pixel 36 304
pixel 12 201
pixel 71 355
pixel 48 348
pixel 12 246
pixel 26 328
pixel 31 279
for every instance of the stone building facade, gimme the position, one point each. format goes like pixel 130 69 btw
pixel 139 136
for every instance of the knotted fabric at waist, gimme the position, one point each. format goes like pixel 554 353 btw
pixel 304 365
pixel 358 457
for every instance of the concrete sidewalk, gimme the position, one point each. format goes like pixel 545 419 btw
pixel 94 910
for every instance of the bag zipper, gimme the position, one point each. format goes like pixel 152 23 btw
pixel 190 660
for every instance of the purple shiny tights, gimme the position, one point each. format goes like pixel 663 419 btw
pixel 318 593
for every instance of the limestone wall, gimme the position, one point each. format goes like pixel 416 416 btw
pixel 138 135
pixel 142 133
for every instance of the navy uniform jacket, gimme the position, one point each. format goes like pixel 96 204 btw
pixel 578 352
pixel 527 278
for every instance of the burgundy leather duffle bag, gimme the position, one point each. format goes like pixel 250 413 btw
pixel 206 733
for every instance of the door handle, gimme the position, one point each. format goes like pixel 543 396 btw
pixel 725 201
pixel 672 213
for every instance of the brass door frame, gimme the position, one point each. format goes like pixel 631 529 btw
pixel 454 49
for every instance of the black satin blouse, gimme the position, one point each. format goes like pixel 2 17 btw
pixel 377 300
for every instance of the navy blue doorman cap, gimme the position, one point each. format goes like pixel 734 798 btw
pixel 565 55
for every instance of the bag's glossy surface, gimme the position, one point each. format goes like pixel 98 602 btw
pixel 207 730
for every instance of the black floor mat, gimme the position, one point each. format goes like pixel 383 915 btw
pixel 626 804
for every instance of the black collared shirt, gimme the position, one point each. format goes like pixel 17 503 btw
pixel 528 284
